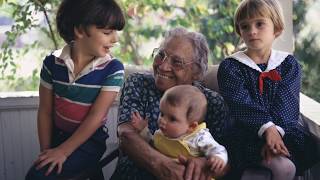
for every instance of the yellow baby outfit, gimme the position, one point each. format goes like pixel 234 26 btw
pixel 178 146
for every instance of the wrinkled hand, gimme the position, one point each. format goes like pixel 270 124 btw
pixel 196 168
pixel 274 143
pixel 216 164
pixel 170 169
pixel 52 157
pixel 138 122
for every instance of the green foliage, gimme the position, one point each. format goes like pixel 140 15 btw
pixel 154 17
pixel 307 51
pixel 25 15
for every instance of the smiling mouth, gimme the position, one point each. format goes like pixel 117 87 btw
pixel 163 76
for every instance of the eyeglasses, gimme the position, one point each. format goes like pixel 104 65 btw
pixel 177 63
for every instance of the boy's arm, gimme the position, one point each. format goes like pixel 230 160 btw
pixel 44 119
pixel 57 156
pixel 91 123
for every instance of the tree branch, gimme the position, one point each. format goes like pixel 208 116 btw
pixel 42 6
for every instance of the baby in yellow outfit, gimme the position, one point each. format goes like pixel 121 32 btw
pixel 181 130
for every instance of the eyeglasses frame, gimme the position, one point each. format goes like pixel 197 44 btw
pixel 156 51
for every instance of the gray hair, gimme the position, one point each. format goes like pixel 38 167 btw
pixel 200 47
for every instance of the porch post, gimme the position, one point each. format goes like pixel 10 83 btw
pixel 285 41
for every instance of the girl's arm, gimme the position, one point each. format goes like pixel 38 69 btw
pixel 285 107
pixel 44 118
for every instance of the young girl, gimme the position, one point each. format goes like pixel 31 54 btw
pixel 261 87
pixel 78 85
pixel 181 128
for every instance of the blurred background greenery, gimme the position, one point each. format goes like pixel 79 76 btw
pixel 28 34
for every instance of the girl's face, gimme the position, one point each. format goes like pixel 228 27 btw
pixel 258 33
pixel 173 120
pixel 166 76
pixel 96 41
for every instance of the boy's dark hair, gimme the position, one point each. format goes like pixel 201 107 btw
pixel 189 97
pixel 83 13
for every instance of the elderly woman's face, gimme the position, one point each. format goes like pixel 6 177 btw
pixel 165 75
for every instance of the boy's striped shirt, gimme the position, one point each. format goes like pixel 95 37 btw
pixel 74 95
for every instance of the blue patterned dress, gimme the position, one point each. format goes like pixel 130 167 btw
pixel 250 109
pixel 140 94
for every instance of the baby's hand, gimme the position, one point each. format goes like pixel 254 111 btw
pixel 138 122
pixel 216 164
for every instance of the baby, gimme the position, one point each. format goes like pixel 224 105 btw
pixel 181 130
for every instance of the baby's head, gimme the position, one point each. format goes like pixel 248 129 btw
pixel 182 108
pixel 249 9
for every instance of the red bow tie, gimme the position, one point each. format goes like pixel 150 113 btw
pixel 273 75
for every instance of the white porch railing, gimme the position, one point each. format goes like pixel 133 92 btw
pixel 18 134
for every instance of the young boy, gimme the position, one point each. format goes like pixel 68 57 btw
pixel 78 85
pixel 181 130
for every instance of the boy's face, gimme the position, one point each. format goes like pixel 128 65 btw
pixel 96 41
pixel 173 120
pixel 258 33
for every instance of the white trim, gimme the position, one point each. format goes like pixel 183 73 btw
pixel 276 58
pixel 111 88
pixel 77 84
pixel 264 127
pixel 45 84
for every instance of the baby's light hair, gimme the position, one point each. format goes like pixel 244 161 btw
pixel 190 97
pixel 248 9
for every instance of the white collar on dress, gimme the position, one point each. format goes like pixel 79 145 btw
pixel 276 58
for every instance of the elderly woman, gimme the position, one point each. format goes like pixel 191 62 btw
pixel 182 58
